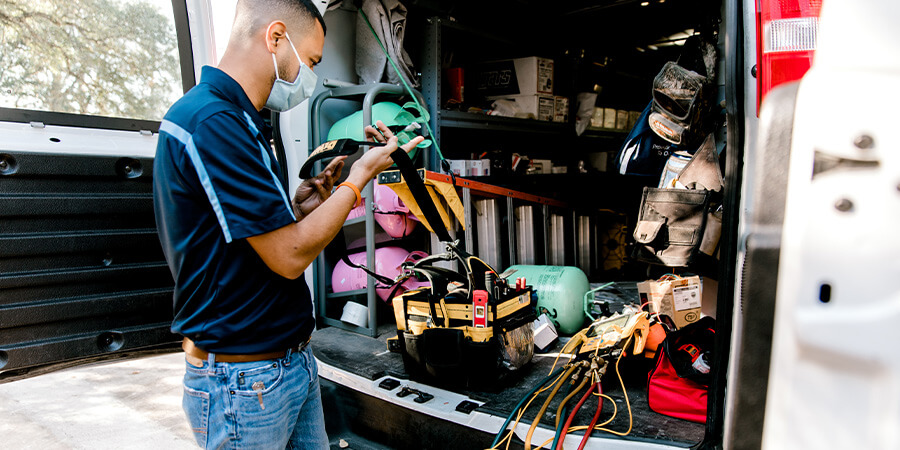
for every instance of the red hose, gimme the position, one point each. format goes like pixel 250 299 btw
pixel 590 428
pixel 565 428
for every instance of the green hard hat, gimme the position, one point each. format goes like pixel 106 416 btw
pixel 392 114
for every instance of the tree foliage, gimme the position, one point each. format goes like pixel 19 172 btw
pixel 115 58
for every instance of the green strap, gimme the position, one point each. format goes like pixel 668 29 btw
pixel 412 94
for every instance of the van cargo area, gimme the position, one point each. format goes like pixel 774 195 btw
pixel 503 83
pixel 364 407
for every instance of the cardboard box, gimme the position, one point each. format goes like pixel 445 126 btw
pixel 561 109
pixel 541 166
pixel 609 118
pixel 522 76
pixel 597 118
pixel 478 168
pixel 544 332
pixel 470 167
pixel 458 167
pixel 540 107
pixel 621 119
pixel 680 298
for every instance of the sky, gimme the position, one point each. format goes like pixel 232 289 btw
pixel 223 16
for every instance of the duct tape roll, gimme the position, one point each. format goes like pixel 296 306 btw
pixel 355 314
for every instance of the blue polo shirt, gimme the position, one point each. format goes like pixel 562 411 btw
pixel 214 185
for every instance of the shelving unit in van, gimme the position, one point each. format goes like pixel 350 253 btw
pixel 486 208
pixel 560 229
pixel 504 225
pixel 443 120
pixel 367 94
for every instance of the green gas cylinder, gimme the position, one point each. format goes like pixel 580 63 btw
pixel 559 289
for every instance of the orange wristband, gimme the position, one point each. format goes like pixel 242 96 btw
pixel 355 191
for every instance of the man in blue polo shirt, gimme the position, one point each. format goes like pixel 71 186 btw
pixel 238 246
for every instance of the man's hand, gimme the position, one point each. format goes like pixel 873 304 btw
pixel 378 159
pixel 312 192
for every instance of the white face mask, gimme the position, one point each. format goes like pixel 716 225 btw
pixel 286 95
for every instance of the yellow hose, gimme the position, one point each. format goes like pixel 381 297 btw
pixel 540 413
pixel 581 386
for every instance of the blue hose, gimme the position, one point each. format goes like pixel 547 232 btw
pixel 549 378
pixel 561 424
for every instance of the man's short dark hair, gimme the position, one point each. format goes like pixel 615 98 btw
pixel 312 11
pixel 252 14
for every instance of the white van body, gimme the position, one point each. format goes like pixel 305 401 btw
pixel 832 380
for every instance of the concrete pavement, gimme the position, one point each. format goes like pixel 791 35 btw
pixel 133 404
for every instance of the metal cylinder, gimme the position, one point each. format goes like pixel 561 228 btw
pixel 583 243
pixel 560 290
pixel 525 242
pixel 557 240
pixel 487 227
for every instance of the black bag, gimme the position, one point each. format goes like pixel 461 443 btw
pixel 683 95
pixel 684 346
pixel 677 226
pixel 436 331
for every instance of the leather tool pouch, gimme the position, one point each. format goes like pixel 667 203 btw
pixel 676 227
pixel 671 225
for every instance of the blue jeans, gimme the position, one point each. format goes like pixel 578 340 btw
pixel 271 404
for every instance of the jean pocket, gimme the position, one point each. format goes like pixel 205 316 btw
pixel 196 406
pixel 255 379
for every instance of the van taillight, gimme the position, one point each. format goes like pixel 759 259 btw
pixel 785 41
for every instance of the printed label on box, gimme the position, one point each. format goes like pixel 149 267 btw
pixel 546 108
pixel 545 75
pixel 686 297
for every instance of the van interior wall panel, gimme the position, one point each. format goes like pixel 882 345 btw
pixel 82 272
pixel 734 164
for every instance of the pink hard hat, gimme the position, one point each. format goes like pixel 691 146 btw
pixel 387 263
pixel 391 214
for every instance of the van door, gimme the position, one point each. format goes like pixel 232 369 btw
pixel 83 86
pixel 815 363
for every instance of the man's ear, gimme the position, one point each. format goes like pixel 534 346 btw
pixel 275 32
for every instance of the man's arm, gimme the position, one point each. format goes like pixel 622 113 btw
pixel 289 250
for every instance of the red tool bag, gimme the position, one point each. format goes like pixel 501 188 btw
pixel 678 383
